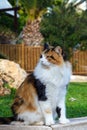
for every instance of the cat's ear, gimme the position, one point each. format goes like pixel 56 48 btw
pixel 46 46
pixel 58 49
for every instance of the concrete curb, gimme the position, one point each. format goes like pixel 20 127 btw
pixel 78 78
pixel 21 127
pixel 75 124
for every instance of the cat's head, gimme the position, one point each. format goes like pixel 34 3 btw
pixel 51 56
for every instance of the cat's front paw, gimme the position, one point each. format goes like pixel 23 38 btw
pixel 49 122
pixel 64 121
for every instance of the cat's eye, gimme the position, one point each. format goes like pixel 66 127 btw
pixel 48 56
pixel 51 57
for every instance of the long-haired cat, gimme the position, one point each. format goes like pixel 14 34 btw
pixel 41 97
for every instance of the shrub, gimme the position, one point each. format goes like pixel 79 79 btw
pixel 64 26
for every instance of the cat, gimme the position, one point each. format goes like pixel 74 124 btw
pixel 41 97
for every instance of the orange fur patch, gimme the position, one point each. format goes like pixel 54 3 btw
pixel 54 57
pixel 25 97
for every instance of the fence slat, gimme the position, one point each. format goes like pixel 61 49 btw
pixel 28 57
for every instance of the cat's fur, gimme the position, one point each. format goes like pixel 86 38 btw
pixel 41 97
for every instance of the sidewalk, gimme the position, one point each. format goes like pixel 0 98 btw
pixel 78 78
pixel 75 124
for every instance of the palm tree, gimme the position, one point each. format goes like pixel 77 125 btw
pixel 34 10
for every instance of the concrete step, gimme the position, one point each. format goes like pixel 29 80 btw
pixel 75 124
pixel 13 127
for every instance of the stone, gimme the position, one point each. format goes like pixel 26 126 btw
pixel 11 73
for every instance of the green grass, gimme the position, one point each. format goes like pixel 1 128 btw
pixel 5 104
pixel 76 108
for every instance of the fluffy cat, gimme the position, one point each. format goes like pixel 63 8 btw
pixel 41 97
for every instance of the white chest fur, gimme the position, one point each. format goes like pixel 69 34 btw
pixel 55 78
pixel 54 74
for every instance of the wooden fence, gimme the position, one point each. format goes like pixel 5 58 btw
pixel 28 57
pixel 79 62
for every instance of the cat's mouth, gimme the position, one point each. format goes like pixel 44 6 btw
pixel 46 66
pixel 45 63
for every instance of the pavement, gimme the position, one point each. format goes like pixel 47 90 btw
pixel 78 78
pixel 75 124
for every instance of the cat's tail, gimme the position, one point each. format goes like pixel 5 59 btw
pixel 6 120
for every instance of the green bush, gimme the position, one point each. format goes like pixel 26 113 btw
pixel 2 56
pixel 65 26
pixel 7 20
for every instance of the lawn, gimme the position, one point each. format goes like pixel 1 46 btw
pixel 76 101
pixel 5 104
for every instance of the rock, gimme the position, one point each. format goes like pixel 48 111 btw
pixel 4 91
pixel 11 73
